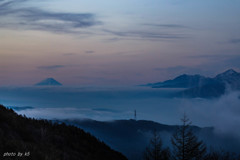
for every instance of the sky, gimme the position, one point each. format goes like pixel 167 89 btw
pixel 127 42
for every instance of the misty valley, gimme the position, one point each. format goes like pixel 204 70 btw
pixel 125 118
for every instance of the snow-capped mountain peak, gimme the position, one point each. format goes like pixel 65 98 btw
pixel 49 82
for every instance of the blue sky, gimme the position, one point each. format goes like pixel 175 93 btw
pixel 116 42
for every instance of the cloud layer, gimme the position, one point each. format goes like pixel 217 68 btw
pixel 144 35
pixel 235 41
pixel 31 18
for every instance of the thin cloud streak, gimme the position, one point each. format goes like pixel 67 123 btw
pixel 145 35
pixel 69 54
pixel 51 67
pixel 38 19
pixel 235 41
pixel 172 26
pixel 89 52
pixel 30 18
pixel 178 69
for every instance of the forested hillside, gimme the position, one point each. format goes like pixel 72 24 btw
pixel 41 139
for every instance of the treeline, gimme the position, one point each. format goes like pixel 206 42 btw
pixel 27 138
pixel 45 140
pixel 185 146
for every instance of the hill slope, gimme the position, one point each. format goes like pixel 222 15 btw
pixel 46 140
pixel 131 137
pixel 48 82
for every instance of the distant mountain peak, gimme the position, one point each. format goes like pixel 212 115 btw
pixel 189 76
pixel 229 72
pixel 200 86
pixel 48 82
pixel 182 81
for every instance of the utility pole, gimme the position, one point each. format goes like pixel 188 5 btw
pixel 135 114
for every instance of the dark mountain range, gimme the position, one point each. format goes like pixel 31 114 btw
pixel 200 86
pixel 206 91
pixel 42 139
pixel 131 137
pixel 228 80
pixel 183 81
pixel 48 82
pixel 231 78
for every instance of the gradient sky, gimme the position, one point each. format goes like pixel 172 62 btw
pixel 116 42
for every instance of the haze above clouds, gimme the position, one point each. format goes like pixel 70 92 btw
pixel 116 42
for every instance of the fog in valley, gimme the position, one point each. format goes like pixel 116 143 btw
pixel 114 103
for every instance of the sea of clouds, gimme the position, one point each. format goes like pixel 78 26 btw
pixel 111 103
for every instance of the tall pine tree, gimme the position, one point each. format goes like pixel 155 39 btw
pixel 186 145
pixel 155 151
